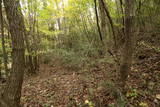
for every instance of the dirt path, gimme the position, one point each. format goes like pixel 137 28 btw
pixel 53 87
pixel 58 86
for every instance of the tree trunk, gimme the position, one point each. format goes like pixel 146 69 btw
pixel 104 4
pixel 58 19
pixel 5 58
pixel 12 91
pixel 0 70
pixel 103 20
pixel 30 61
pixel 126 55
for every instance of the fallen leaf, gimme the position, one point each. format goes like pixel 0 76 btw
pixel 158 96
pixel 143 104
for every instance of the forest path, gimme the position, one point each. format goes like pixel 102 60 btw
pixel 53 87
pixel 58 86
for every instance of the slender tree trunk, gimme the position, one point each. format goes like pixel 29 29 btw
pixel 12 91
pixel 1 26
pixel 9 38
pixel 85 28
pixel 31 66
pixel 103 26
pixel 102 50
pixel 126 55
pixel 37 42
pixel 0 70
pixel 97 20
pixel 103 23
pixel 35 37
pixel 122 11
pixel 104 4
pixel 58 19
pixel 30 61
pixel 5 58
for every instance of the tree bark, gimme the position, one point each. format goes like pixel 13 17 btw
pixel 12 91
pixel 97 20
pixel 0 70
pixel 110 21
pixel 5 58
pixel 31 66
pixel 103 26
pixel 58 19
pixel 103 19
pixel 32 23
pixel 126 55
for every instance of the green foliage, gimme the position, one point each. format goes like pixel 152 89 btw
pixel 47 57
pixel 133 93
pixel 89 103
pixel 70 58
pixel 143 104
pixel 157 49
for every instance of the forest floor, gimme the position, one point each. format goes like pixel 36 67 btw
pixel 59 86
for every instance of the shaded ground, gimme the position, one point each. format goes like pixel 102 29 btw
pixel 59 86
pixel 52 87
